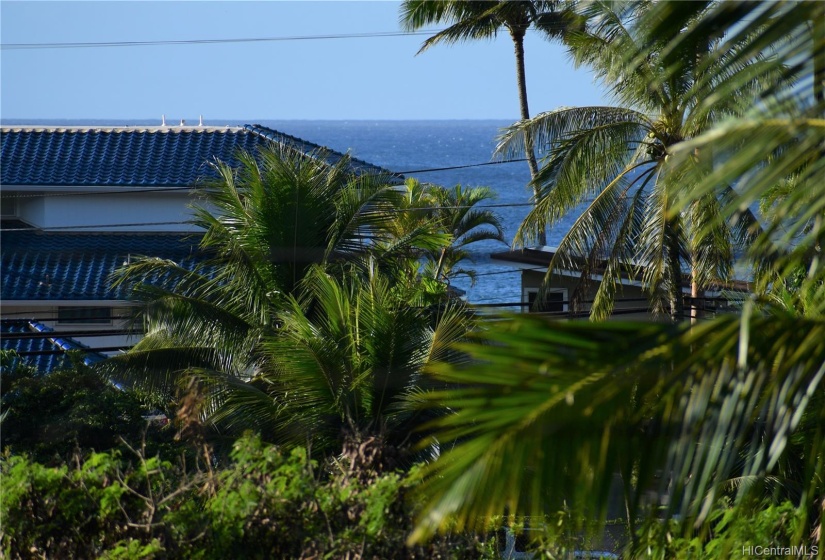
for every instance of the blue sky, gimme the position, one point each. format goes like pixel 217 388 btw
pixel 368 78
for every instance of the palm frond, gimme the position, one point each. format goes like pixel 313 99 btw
pixel 542 418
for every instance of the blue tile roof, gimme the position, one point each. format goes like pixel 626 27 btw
pixel 138 156
pixel 76 266
pixel 39 352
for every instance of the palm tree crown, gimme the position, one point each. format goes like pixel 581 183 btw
pixel 482 20
pixel 615 159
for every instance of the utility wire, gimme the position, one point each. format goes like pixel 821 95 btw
pixel 182 222
pixel 109 44
pixel 134 189
pixel 170 42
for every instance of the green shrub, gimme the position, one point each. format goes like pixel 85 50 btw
pixel 267 503
pixel 729 531
pixel 48 416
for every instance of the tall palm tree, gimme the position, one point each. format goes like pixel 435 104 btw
pixel 553 410
pixel 482 20
pixel 616 159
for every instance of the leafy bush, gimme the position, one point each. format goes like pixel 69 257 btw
pixel 730 531
pixel 48 416
pixel 266 503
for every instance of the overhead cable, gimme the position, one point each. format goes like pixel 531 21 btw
pixel 170 42
pixel 176 42
pixel 136 189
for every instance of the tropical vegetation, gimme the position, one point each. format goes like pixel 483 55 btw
pixel 615 160
pixel 404 425
pixel 483 20
pixel 557 415
pixel 316 310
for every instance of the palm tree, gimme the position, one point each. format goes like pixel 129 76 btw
pixel 456 215
pixel 347 363
pixel 457 210
pixel 265 223
pixel 616 159
pixel 553 410
pixel 482 20
pixel 297 324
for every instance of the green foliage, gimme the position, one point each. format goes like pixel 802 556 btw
pixel 312 313
pixel 550 412
pixel 133 549
pixel 50 415
pixel 266 503
pixel 731 531
pixel 617 160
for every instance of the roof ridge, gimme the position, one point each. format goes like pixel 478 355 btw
pixel 119 128
pixel 267 133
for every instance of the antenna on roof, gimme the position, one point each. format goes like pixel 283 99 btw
pixel 163 120
pixel 200 121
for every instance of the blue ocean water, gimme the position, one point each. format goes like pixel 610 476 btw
pixel 407 146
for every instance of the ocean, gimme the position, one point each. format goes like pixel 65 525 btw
pixel 410 147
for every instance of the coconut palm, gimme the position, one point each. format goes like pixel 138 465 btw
pixel 265 223
pixel 482 20
pixel 552 411
pixel 457 210
pixel 456 214
pixel 615 160
pixel 296 325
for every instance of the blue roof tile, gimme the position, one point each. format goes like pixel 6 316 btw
pixel 138 156
pixel 38 352
pixel 76 266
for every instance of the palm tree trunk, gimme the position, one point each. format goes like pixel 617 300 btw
pixel 517 35
pixel 677 304
pixel 818 26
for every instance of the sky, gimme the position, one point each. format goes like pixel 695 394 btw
pixel 332 79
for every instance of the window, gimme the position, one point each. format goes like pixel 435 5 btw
pixel 84 315
pixel 555 299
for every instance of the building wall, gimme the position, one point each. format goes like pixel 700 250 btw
pixel 31 209
pixel 628 298
pixel 153 209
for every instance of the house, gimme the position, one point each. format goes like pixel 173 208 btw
pixel 631 303
pixel 78 202
pixel 38 346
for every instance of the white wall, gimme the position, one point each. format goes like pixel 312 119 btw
pixel 32 210
pixel 76 212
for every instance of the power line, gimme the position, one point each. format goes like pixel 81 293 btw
pixel 69 334
pixel 175 42
pixel 82 350
pixel 136 189
pixel 96 226
pixel 189 222
pixel 109 44
pixel 461 166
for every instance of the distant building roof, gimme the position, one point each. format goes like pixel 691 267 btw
pixel 36 348
pixel 539 259
pixel 76 266
pixel 137 156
